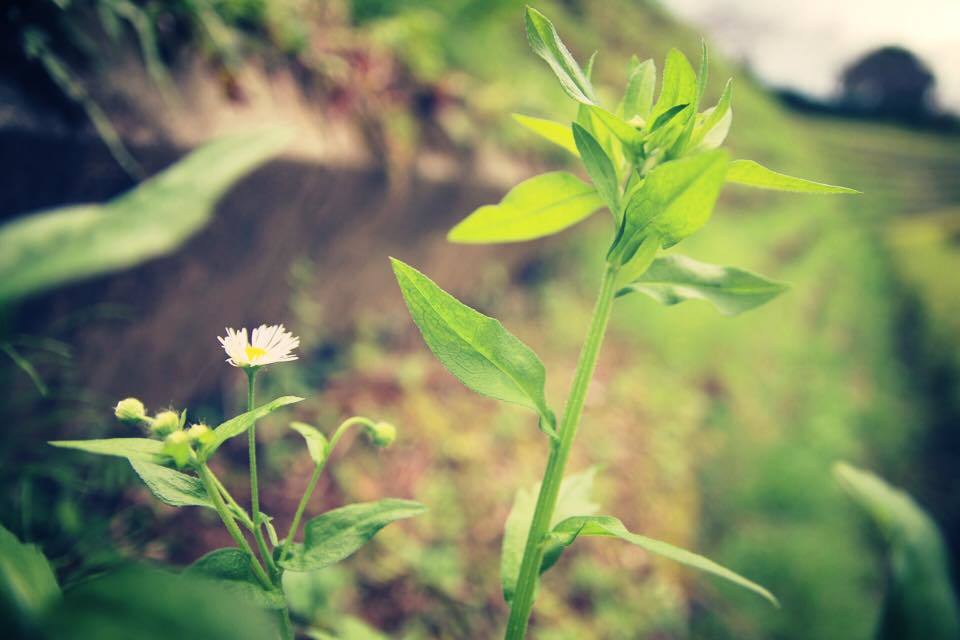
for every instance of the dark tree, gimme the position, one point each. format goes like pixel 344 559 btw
pixel 891 82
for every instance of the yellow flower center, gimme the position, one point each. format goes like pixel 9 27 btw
pixel 254 352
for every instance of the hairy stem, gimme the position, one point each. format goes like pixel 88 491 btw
pixel 254 486
pixel 547 499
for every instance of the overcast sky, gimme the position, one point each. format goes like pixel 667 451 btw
pixel 805 44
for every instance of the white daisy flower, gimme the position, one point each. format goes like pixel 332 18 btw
pixel 268 344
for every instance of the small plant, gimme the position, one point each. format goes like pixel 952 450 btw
pixel 657 166
pixel 173 462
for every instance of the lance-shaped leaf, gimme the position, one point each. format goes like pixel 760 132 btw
pixel 316 441
pixel 171 486
pixel 564 534
pixel 28 587
pixel 673 279
pixel 538 207
pixel 676 199
pixel 599 167
pixel 753 174
pixel 546 43
pixel 575 497
pixel 641 84
pixel 920 601
pixel 53 247
pixel 715 122
pixel 626 133
pixel 338 533
pixel 556 132
pixel 473 347
pixel 679 85
pixel 230 569
pixel 140 449
pixel 240 424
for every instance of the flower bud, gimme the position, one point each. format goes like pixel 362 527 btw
pixel 130 411
pixel 200 434
pixel 165 423
pixel 177 446
pixel 382 434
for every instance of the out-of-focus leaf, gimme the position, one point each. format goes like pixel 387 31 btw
pixel 54 247
pixel 641 84
pixel 564 534
pixel 546 43
pixel 148 604
pixel 473 347
pixel 337 534
pixel 753 174
pixel 576 496
pixel 28 587
pixel 679 85
pixel 349 628
pixel 676 199
pixel 674 278
pixel 600 169
pixel 316 441
pixel 230 569
pixel 240 424
pixel 540 206
pixel 142 449
pixel 920 603
pixel 171 486
pixel 555 132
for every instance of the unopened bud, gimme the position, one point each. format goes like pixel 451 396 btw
pixel 177 446
pixel 382 434
pixel 130 411
pixel 165 423
pixel 200 434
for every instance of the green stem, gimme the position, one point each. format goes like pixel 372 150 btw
pixel 254 486
pixel 210 484
pixel 317 470
pixel 553 476
pixel 239 511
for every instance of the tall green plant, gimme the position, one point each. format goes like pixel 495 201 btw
pixel 656 164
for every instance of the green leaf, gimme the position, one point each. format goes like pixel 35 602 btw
pixel 672 279
pixel 537 207
pixel 240 424
pixel 141 449
pixel 546 43
pixel 171 486
pixel 715 125
pixel 920 601
pixel 50 248
pixel 28 586
pixel 473 347
pixel 564 534
pixel 626 133
pixel 753 174
pixel 641 83
pixel 702 74
pixel 669 130
pixel 230 569
pixel 676 199
pixel 679 84
pixel 576 496
pixel 316 441
pixel 338 533
pixel 555 132
pixel 600 169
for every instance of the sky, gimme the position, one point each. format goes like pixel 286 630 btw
pixel 805 44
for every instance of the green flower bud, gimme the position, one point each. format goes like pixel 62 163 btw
pixel 165 423
pixel 130 411
pixel 382 434
pixel 177 446
pixel 200 434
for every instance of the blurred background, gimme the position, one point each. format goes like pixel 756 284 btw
pixel 714 434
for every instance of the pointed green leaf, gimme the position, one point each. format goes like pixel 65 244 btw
pixel 576 496
pixel 626 133
pixel 473 347
pixel 28 587
pixel 538 207
pixel 339 533
pixel 230 569
pixel 600 169
pixel 171 486
pixel 564 534
pixel 641 84
pixel 703 74
pixel 556 132
pixel 673 279
pixel 676 199
pixel 546 43
pixel 753 174
pixel 715 124
pixel 240 424
pixel 141 449
pixel 54 247
pixel 679 85
pixel 316 441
